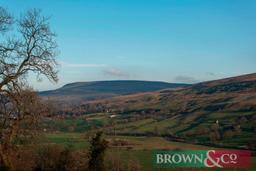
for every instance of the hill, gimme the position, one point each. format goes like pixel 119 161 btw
pixel 230 91
pixel 220 112
pixel 88 91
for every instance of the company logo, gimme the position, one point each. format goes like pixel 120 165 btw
pixel 203 158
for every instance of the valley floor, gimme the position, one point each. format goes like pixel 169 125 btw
pixel 127 147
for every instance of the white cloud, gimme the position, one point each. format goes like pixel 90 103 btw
pixel 115 72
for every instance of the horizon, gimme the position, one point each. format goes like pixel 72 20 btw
pixel 145 81
pixel 171 41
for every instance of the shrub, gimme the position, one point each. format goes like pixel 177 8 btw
pixel 96 153
pixel 52 158
pixel 22 159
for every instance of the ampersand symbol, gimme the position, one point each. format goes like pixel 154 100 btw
pixel 210 162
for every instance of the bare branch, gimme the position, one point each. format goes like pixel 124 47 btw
pixel 35 51
pixel 6 20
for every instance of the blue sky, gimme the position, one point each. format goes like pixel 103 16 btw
pixel 166 40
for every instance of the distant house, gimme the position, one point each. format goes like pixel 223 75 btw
pixel 112 116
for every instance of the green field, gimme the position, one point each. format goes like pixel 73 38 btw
pixel 77 131
pixel 138 148
pixel 186 127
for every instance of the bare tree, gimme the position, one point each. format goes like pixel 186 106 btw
pixel 27 45
pixel 35 51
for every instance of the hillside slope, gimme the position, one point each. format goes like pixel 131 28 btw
pixel 223 111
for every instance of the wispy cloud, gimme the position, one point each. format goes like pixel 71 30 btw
pixel 115 72
pixel 186 79
pixel 210 74
pixel 82 65
pixel 107 70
